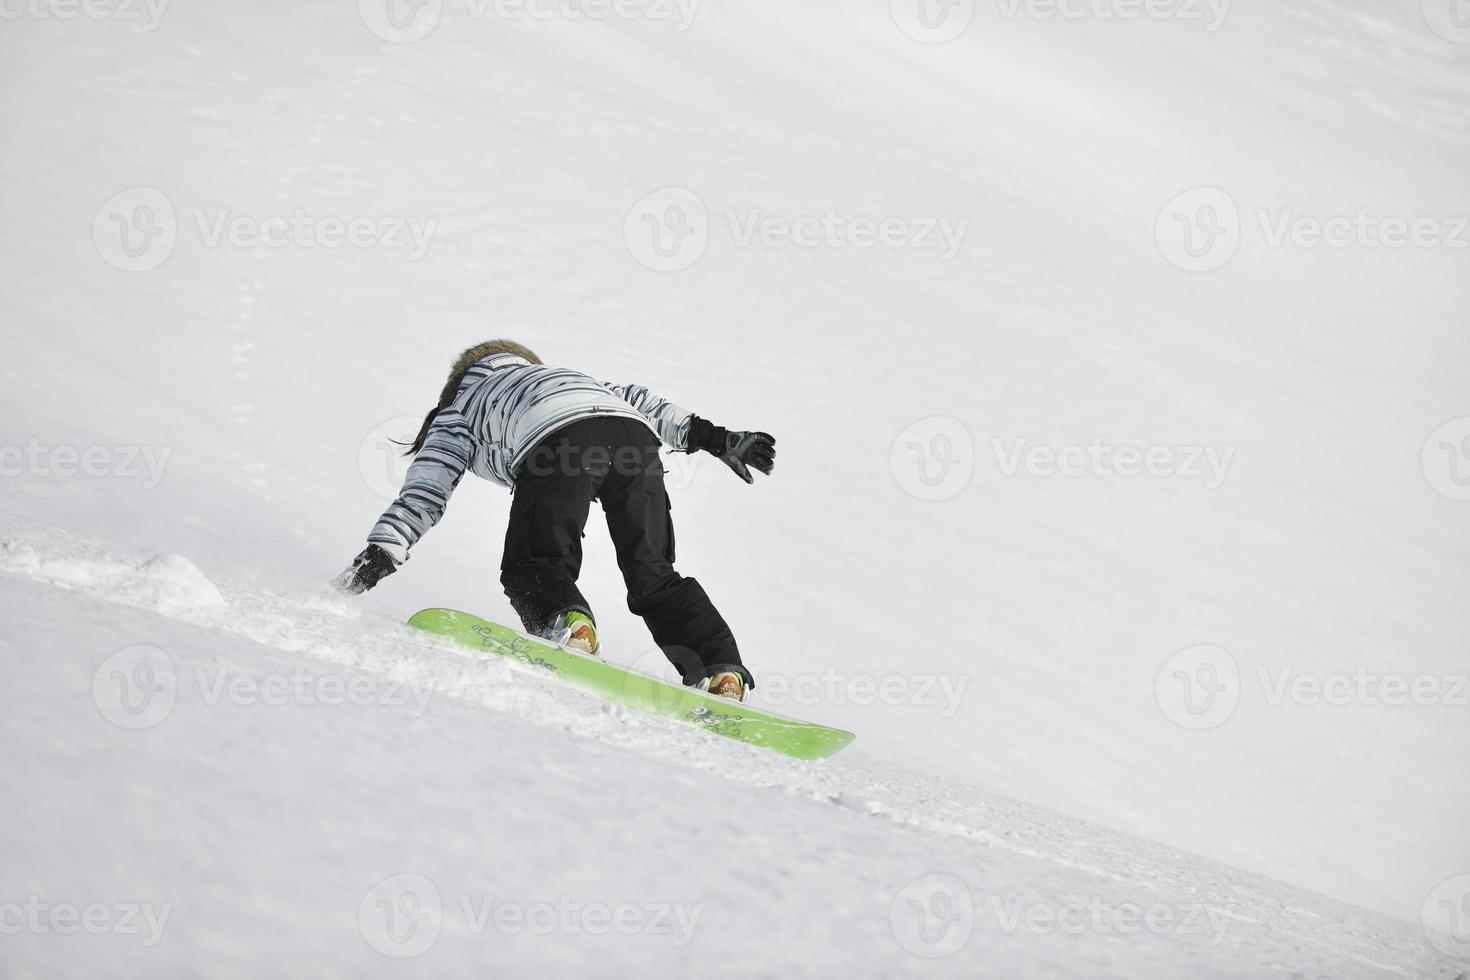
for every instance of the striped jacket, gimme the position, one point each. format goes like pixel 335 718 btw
pixel 505 406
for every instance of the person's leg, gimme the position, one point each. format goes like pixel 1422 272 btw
pixel 681 617
pixel 543 536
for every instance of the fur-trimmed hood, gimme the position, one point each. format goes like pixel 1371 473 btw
pixel 489 348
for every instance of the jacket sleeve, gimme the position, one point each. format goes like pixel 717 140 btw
pixel 667 419
pixel 431 479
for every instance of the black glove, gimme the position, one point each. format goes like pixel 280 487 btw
pixel 368 569
pixel 737 450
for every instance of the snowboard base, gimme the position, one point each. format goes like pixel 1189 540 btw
pixel 732 719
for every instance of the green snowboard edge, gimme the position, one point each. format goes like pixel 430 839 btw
pixel 732 719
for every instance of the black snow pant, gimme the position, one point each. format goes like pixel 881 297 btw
pixel 616 461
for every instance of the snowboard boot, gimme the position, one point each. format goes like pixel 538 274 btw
pixel 725 684
pixel 576 630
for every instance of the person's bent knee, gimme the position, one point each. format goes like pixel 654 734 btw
pixel 651 591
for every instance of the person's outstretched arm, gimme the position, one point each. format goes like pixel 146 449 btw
pixel 671 422
pixel 686 432
pixel 435 472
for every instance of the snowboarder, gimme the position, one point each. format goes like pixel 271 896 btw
pixel 561 439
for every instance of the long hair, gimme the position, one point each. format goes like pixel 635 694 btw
pixel 461 367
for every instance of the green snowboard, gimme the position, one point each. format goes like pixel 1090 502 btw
pixel 798 739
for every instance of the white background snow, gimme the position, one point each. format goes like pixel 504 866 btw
pixel 962 260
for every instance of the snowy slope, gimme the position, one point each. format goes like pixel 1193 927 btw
pixel 260 382
pixel 259 805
